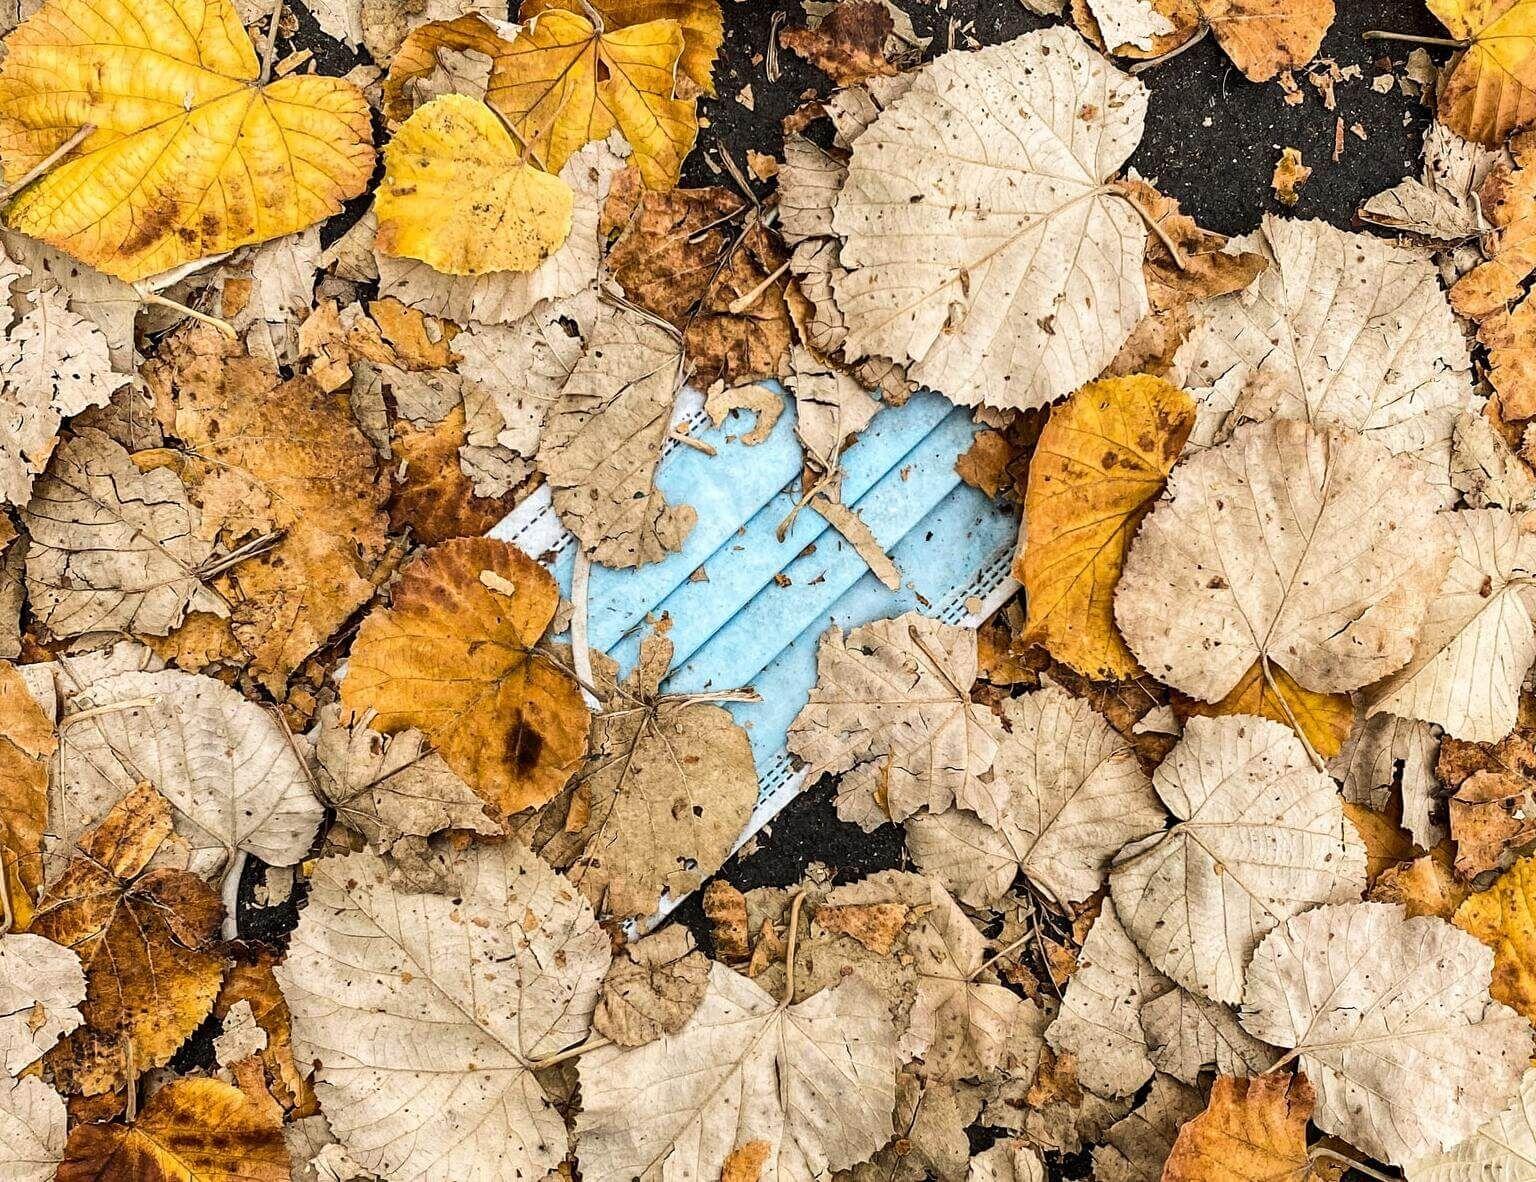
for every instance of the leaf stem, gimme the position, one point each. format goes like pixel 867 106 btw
pixel 251 549
pixel 229 892
pixel 596 1042
pixel 1318 1151
pixel 45 163
pixel 1000 953
pixel 1163 58
pixel 742 302
pixel 154 297
pixel 1317 760
pixel 1413 39
pixel 789 948
pixel 269 48
pixel 1153 225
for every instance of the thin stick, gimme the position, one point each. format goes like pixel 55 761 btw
pixel 1413 39
pixel 581 654
pixel 109 708
pixel 689 441
pixel 592 1044
pixel 229 892
pixel 241 553
pixel 789 949
pixel 1318 1151
pixel 269 49
pixel 741 303
pixel 7 916
pixel 999 954
pixel 1169 244
pixel 45 163
pixel 154 297
pixel 1164 58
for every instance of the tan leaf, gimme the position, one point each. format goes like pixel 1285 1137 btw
pixel 253 985
pixel 32 1129
pixel 1263 37
pixel 1136 1147
pixel 452 657
pixel 1507 200
pixel 653 989
pixel 27 740
pixel 41 986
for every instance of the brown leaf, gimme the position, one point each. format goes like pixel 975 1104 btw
pixel 652 989
pixel 433 498
pixel 726 909
pixel 1425 886
pixel 849 44
pixel 687 255
pixel 144 938
pixel 1183 16
pixel 452 656
pixel 277 456
pixel 1511 367
pixel 27 741
pixel 1493 810
pixel 192 1130
pixel 1263 37
pixel 1508 201
pixel 1252 1130
pixel 255 984
pixel 1290 175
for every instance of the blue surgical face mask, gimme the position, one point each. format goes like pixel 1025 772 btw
pixel 738 625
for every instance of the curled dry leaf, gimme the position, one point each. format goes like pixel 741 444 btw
pixel 199 1130
pixel 245 160
pixel 253 986
pixel 1253 1130
pixel 891 712
pixel 1341 330
pixel 652 989
pixel 1386 752
pixel 452 656
pixel 145 938
pixel 1314 550
pixel 1100 462
pixel 225 765
pixel 1500 918
pixel 1391 1020
pixel 1072 796
pixel 848 45
pixel 980 240
pixel 1007 1161
pixel 1493 802
pixel 814 1082
pixel 458 195
pixel 1490 88
pixel 1137 28
pixel 1260 836
pixel 113 548
pixel 32 1130
pixel 427 1014
pixel 1507 200
pixel 603 440
pixel 41 986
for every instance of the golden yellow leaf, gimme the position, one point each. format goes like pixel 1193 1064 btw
pixel 1323 719
pixel 1101 461
pixel 145 939
pixel 27 740
pixel 1387 844
pixel 703 26
pixel 458 195
pixel 1490 88
pixel 452 656
pixel 1504 918
pixel 255 984
pixel 191 1130
pixel 562 83
pixel 191 155
pixel 1253 1130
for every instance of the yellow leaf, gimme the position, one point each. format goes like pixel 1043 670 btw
pixel 1502 918
pixel 703 26
pixel 191 155
pixel 27 740
pixel 1387 844
pixel 1323 719
pixel 562 83
pixel 1101 460
pixel 1253 1130
pixel 1490 88
pixel 191 1130
pixel 458 196
pixel 452 656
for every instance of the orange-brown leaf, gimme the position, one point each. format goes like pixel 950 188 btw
pixel 1252 1130
pixel 27 740
pixel 1322 719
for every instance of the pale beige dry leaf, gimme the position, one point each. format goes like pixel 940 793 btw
pixel 1315 550
pixel 1073 795
pixel 1443 206
pixel 41 988
pixel 113 548
pixel 1100 1017
pixel 815 1082
pixel 652 989
pixel 1478 640
pixel 979 239
pixel 32 1130
pixel 1187 1033
pixel 1486 469
pixel 425 1012
pixel 831 408
pixel 391 787
pixel 240 1037
pixel 930 1142
pixel 1390 1018
pixel 891 713
pixel 1503 1150
pixel 603 441
pixel 1260 836
pixel 1383 753
pixel 1341 330
pixel 1007 1161
pixel 230 772
pixel 1137 1146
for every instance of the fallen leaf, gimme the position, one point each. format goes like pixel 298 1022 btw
pixel 1006 275
pixel 1487 470
pixel 1493 802
pixel 243 161
pixel 433 498
pixel 1260 837
pixel 32 1130
pixel 1007 1161
pixel 27 741
pixel 816 1080
pixel 931 1122
pixel 1137 28
pixel 702 24
pixel 1263 37
pixel 144 938
pixel 253 984
pixel 1067 793
pixel 1503 1148
pixel 199 1130
pixel 1442 1057
pixel 891 713
pixel 240 1038
pixel 453 657
pixel 1100 462
pixel 1341 330
pixel 1253 1130
pixel 1489 88
pixel 231 775
pixel 113 548
pixel 1445 205
pixel 603 439
pixel 1506 200
pixel 1290 175
pixel 1187 1033
pixel 458 194
pixel 1500 918
pixel 425 1013
pixel 653 989
pixel 848 45
pixel 1322 720
pixel 1224 572
pixel 41 986
pixel 1383 753
pixel 1511 366
pixel 1137 1146
pixel 1424 886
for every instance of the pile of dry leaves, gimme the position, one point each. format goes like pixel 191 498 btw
pixel 1215 833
